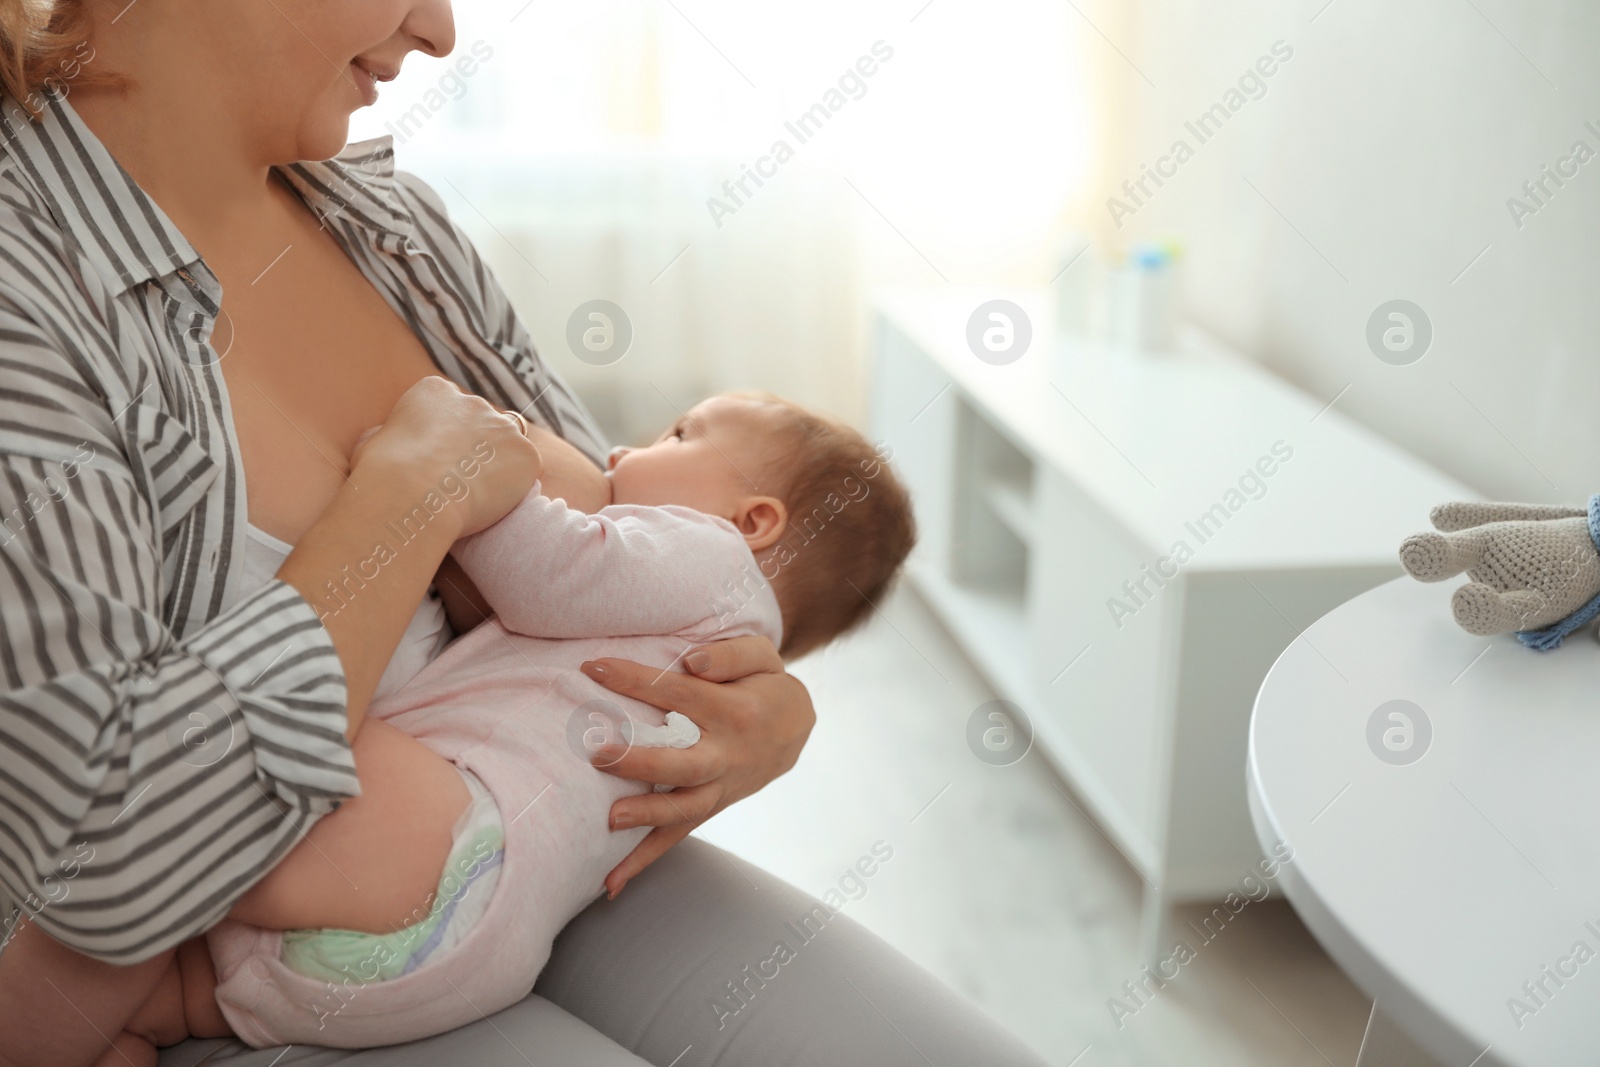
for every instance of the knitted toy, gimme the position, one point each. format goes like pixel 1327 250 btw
pixel 1535 570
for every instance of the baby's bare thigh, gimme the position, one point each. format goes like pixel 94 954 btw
pixel 39 1023
pixel 183 1003
pixel 374 864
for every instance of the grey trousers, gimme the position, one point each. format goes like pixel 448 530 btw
pixel 703 960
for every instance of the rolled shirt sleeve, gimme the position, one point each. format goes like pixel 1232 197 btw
pixel 146 780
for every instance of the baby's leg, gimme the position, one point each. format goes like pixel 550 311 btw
pixel 182 1005
pixel 392 842
pixel 374 864
pixel 59 1007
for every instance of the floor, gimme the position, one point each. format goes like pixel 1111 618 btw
pixel 1000 887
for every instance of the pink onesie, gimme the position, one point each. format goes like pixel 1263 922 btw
pixel 507 701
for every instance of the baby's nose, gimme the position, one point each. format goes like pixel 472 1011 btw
pixel 616 455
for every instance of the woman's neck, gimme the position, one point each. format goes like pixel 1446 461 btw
pixel 183 147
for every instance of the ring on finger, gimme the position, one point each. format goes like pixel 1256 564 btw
pixel 522 423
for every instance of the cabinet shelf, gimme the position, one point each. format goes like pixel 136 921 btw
pixel 1010 498
pixel 989 620
pixel 990 623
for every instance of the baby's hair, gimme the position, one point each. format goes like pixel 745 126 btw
pixel 850 526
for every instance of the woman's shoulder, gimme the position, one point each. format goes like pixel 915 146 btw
pixel 53 297
pixel 42 275
pixel 38 252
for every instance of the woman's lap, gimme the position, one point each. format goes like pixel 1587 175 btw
pixel 530 1031
pixel 705 959
pixel 708 953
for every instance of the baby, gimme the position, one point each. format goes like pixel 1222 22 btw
pixel 748 516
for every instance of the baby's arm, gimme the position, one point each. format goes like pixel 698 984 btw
pixel 568 475
pixel 550 571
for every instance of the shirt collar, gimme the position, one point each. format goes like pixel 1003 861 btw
pixel 127 236
pixel 357 185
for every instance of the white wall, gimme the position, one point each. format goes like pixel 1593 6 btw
pixel 581 145
pixel 1391 140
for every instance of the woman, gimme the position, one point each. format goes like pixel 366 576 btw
pixel 195 333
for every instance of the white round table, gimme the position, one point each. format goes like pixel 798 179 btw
pixel 1455 878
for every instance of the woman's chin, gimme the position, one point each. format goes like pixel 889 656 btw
pixel 323 136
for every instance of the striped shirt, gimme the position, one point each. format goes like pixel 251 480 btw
pixel 158 754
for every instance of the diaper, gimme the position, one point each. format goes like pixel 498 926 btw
pixel 477 852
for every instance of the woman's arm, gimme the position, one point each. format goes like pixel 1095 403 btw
pixel 145 777
pixel 146 780
pixel 754 719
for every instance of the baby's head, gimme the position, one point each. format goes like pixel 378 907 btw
pixel 826 519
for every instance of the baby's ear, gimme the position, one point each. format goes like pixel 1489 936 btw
pixel 762 520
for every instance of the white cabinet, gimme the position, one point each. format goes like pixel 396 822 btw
pixel 1123 543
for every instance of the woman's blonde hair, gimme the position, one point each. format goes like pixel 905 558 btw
pixel 45 43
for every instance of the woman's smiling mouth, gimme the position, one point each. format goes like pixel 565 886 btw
pixel 367 75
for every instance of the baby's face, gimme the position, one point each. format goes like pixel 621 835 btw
pixel 711 459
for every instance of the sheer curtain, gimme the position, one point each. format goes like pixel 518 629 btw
pixel 735 177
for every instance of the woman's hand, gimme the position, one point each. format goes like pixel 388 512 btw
pixel 454 445
pixel 443 465
pixel 754 719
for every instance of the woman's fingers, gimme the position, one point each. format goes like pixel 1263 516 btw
pixel 737 657
pixel 688 806
pixel 652 848
pixel 672 814
pixel 754 719
pixel 665 688
pixel 696 765
pixel 458 448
